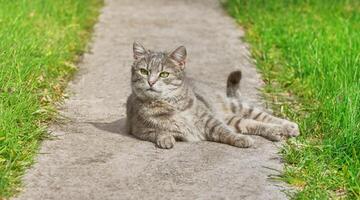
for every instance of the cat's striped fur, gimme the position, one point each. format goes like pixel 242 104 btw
pixel 165 109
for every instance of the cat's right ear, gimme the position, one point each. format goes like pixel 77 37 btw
pixel 139 50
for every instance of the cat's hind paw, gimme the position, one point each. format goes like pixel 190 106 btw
pixel 275 133
pixel 243 141
pixel 292 129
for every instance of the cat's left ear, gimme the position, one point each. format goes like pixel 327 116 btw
pixel 179 56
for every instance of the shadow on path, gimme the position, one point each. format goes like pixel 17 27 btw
pixel 117 126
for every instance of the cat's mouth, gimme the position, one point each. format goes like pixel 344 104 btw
pixel 151 90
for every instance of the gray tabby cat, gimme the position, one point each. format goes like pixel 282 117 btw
pixel 166 106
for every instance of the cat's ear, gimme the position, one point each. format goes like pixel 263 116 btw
pixel 139 50
pixel 179 56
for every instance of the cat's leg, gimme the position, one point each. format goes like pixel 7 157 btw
pixel 246 126
pixel 292 128
pixel 250 112
pixel 162 139
pixel 217 131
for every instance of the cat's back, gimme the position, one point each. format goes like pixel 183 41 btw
pixel 210 94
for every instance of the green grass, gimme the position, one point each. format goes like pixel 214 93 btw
pixel 39 41
pixel 309 54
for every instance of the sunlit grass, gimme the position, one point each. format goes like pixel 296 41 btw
pixel 39 40
pixel 309 54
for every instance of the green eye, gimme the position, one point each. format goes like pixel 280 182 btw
pixel 144 71
pixel 164 74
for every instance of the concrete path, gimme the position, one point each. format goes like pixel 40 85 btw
pixel 92 157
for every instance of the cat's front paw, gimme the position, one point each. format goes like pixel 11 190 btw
pixel 292 129
pixel 165 142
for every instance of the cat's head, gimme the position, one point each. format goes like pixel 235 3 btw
pixel 157 75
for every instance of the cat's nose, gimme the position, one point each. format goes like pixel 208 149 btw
pixel 151 82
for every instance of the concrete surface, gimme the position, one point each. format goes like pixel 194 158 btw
pixel 92 157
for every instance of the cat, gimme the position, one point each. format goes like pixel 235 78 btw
pixel 166 106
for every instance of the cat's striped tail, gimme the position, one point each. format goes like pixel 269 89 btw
pixel 233 84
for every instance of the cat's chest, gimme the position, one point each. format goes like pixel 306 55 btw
pixel 164 114
pixel 187 116
pixel 155 109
